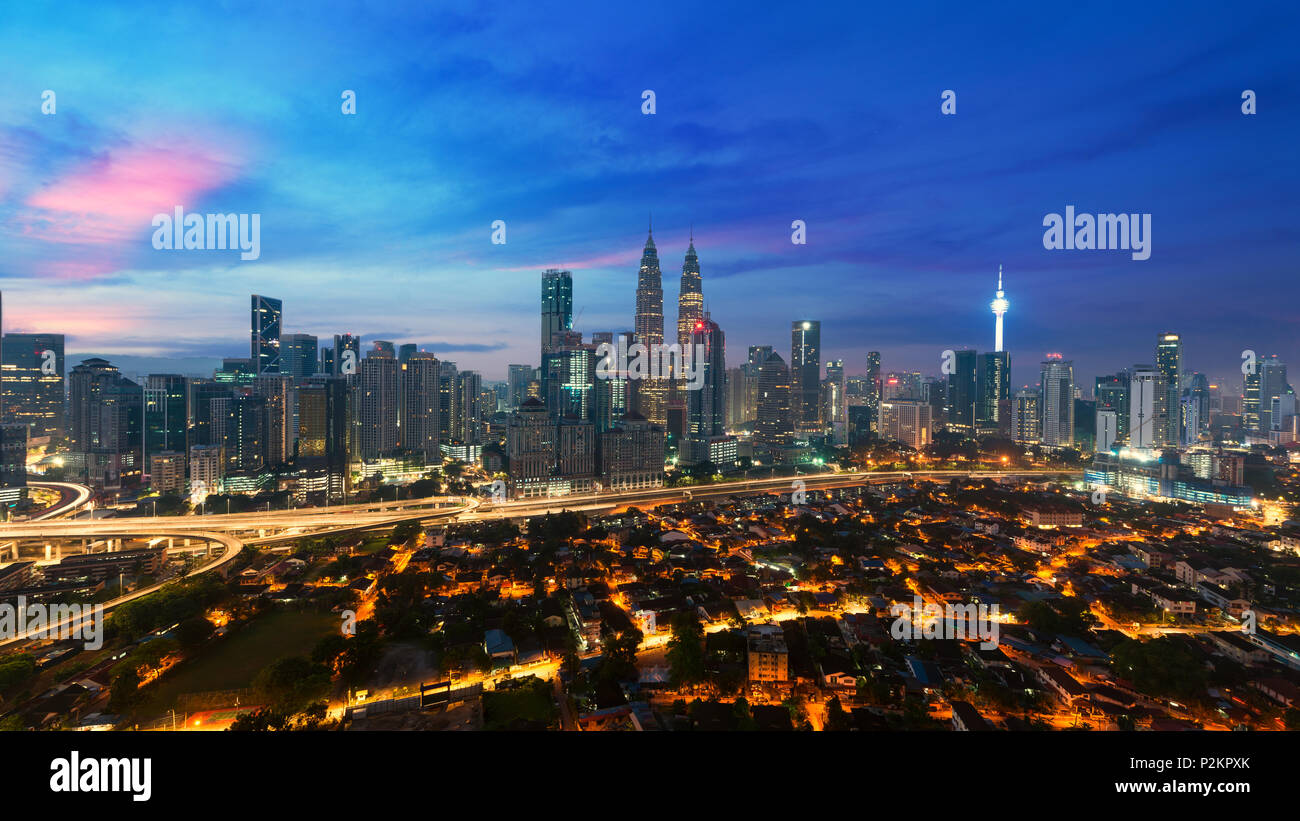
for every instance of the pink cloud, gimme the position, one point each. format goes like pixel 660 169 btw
pixel 114 197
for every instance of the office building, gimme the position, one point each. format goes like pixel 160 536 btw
pixel 32 391
pixel 267 314
pixel 1057 381
pixel 806 372
pixel 418 383
pixel 1169 359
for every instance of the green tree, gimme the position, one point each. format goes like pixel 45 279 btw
pixel 686 650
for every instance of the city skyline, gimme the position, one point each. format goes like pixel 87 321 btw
pixel 379 224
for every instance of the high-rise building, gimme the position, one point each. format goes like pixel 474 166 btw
pixel 569 376
pixel 1144 385
pixel 1250 404
pixel 166 420
pixel 167 471
pixel 470 418
pixel 999 306
pixel 1026 416
pixel 448 401
pixel 323 432
pixel 245 434
pixel 690 297
pixel 873 387
pixel 774 427
pixel 207 467
pixel 993 391
pixel 907 421
pixel 806 372
pixel 1107 430
pixel 377 404
pixel 418 412
pixel 298 355
pixel 706 405
pixel 265 349
pixel 1057 380
pixel 631 455
pixel 347 354
pixel 1169 357
pixel 1272 384
pixel 835 402
pixel 651 393
pixel 963 391
pixel 1111 392
pixel 517 379
pixel 612 392
pixel 557 305
pixel 105 411
pixel 206 424
pixel 278 433
pixel 32 389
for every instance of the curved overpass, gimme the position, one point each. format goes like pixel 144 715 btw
pixel 783 484
pixel 80 496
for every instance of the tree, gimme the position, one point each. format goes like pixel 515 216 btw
pixel 291 683
pixel 836 718
pixel 192 632
pixel 686 650
pixel 124 692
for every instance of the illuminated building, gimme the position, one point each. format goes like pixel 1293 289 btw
pixel 265 348
pixel 1057 382
pixel 805 372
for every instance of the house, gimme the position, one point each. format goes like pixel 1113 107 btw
pixel 965 718
pixel 499 647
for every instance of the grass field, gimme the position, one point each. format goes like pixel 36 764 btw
pixel 231 664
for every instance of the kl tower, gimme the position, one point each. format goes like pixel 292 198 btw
pixel 999 306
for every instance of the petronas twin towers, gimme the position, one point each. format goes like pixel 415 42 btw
pixel 653 395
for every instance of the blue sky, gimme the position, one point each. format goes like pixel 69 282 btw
pixel 378 223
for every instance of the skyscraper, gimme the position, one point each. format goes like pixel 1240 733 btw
pixel 1272 384
pixel 298 355
pixel 557 305
pixel 706 405
pixel 265 349
pixel 993 390
pixel 1026 421
pixel 999 306
pixel 323 432
pixel 873 387
pixel 1143 388
pixel 347 354
pixel 1111 392
pixel 245 434
pixel 105 411
pixel 33 387
pixel 652 393
pixel 377 404
pixel 806 372
pixel 962 392
pixel 517 379
pixel 690 297
pixel 1169 356
pixel 418 410
pixel 165 418
pixel 835 402
pixel 469 429
pixel 1058 401
pixel 775 424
